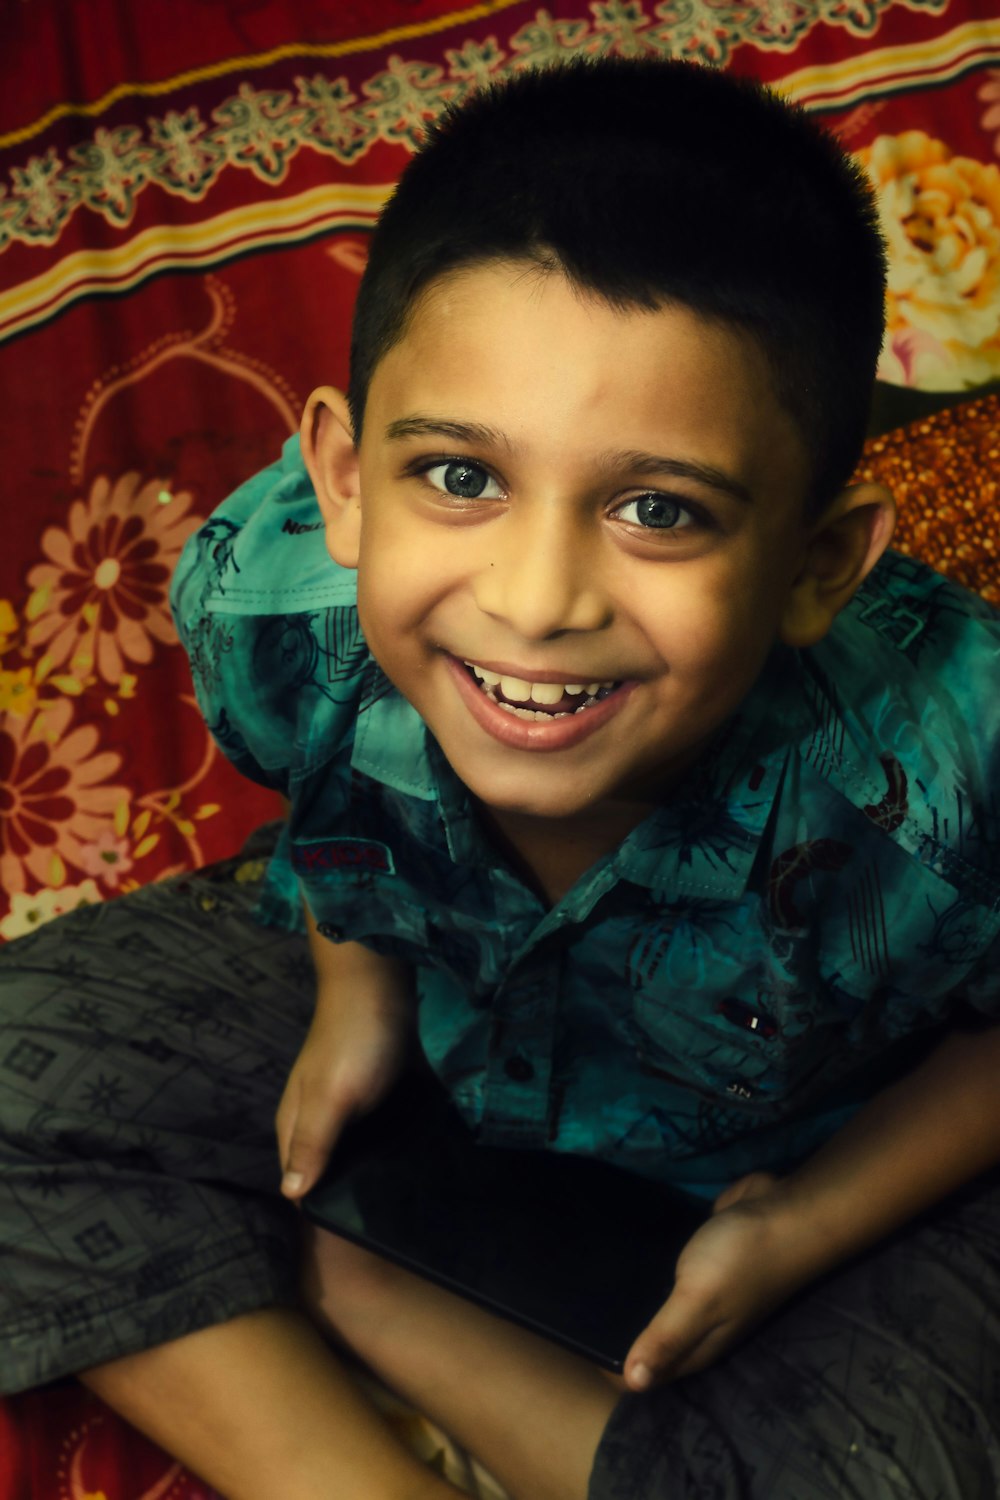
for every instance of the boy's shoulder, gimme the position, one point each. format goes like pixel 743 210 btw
pixel 912 628
pixel 903 693
pixel 262 550
pixel 270 625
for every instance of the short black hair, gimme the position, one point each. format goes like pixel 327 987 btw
pixel 651 182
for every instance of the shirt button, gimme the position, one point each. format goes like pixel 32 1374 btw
pixel 328 930
pixel 518 1068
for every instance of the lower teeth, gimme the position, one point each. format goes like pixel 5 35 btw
pixel 536 714
pixel 528 713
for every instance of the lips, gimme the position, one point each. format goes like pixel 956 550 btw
pixel 509 708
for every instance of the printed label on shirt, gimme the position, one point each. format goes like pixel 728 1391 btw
pixel 342 854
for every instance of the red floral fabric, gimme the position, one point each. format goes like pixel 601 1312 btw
pixel 185 196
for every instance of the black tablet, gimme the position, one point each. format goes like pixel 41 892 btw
pixel 572 1248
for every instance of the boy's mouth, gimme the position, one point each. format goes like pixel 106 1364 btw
pixel 539 700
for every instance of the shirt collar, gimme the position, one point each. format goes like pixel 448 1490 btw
pixel 701 843
pixel 391 739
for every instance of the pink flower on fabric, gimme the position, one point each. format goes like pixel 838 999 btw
pixel 108 858
pixel 100 599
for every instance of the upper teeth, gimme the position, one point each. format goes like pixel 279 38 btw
pixel 517 690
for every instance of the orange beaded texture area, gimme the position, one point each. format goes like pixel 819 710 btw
pixel 943 471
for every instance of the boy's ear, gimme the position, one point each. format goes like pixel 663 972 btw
pixel 331 458
pixel 841 549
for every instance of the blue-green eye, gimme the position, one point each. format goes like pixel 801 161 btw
pixel 656 512
pixel 464 480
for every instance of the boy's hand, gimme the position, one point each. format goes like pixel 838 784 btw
pixel 730 1274
pixel 352 1054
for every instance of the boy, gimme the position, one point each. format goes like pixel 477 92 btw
pixel 634 773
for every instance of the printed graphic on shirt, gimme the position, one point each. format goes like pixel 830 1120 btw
pixel 323 649
pixel 823 887
pixel 900 607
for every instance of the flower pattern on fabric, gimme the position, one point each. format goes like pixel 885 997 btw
pixel 101 596
pixel 29 911
pixel 55 797
pixel 17 692
pixel 262 129
pixel 108 858
pixel 940 215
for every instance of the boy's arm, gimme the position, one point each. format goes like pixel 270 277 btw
pixel 351 1055
pixel 905 1150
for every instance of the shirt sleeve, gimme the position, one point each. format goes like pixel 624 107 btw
pixel 269 623
pixel 902 768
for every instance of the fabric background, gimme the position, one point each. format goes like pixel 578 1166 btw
pixel 186 190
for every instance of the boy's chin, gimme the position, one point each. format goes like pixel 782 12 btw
pixel 539 809
pixel 528 801
pixel 556 803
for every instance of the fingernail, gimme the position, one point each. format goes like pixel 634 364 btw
pixel 640 1377
pixel 291 1183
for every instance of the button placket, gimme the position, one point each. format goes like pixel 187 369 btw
pixel 519 1066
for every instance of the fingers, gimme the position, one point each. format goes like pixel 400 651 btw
pixel 347 1063
pixel 655 1369
pixel 667 1346
pixel 309 1122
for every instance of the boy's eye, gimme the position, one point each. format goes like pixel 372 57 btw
pixel 656 512
pixel 467 481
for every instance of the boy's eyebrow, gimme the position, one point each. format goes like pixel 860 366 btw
pixel 680 468
pixel 635 461
pixel 462 432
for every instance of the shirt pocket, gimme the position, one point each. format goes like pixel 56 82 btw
pixel 739 1046
pixel 377 911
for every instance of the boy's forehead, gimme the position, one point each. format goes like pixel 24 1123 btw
pixel 529 355
pixel 509 301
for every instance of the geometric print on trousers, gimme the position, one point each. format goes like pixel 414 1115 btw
pixel 144 1046
pixel 879 1382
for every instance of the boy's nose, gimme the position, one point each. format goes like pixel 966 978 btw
pixel 542 581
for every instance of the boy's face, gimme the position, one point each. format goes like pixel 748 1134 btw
pixel 556 493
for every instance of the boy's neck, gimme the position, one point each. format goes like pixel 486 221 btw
pixel 551 854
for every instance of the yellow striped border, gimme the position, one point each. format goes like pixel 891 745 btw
pixel 275 222
pixel 270 223
pixel 809 83
pixel 891 70
pixel 247 62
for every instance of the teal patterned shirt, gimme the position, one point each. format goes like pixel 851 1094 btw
pixel 790 931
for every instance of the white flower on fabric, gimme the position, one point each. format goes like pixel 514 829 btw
pixel 940 215
pixel 28 911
